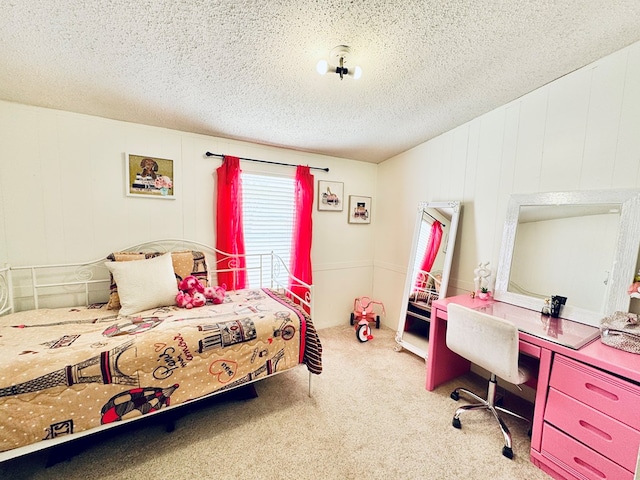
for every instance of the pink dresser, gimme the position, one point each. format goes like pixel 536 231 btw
pixel 586 421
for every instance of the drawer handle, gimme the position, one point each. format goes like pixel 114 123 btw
pixel 601 391
pixel 595 430
pixel 586 466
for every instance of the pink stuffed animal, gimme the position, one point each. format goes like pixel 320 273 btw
pixel 184 300
pixel 198 299
pixel 191 285
pixel 193 294
pixel 216 294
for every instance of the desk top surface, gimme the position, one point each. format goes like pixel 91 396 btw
pixel 570 338
pixel 564 332
pixel 558 330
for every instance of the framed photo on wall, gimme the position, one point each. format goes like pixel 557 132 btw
pixel 149 177
pixel 359 209
pixel 330 196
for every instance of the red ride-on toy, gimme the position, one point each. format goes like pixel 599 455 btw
pixel 363 313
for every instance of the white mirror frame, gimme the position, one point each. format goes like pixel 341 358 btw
pixel 625 256
pixel 446 268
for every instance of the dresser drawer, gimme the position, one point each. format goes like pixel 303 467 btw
pixel 605 435
pixel 606 393
pixel 580 461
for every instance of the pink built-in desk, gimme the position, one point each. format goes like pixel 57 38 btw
pixel 586 422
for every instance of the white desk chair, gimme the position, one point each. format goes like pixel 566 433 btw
pixel 491 343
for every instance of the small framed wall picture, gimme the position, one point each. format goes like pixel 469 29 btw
pixel 149 177
pixel 330 196
pixel 359 209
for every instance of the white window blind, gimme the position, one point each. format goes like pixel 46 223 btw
pixel 268 212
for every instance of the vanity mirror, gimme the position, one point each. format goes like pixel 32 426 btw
pixel 579 245
pixel 428 272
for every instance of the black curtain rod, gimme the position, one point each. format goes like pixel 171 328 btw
pixel 443 225
pixel 209 154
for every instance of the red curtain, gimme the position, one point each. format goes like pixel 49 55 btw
pixel 302 230
pixel 435 237
pixel 229 231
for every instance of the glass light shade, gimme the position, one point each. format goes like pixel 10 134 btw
pixel 322 67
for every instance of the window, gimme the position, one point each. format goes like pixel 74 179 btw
pixel 268 212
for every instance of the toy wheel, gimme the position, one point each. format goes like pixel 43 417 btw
pixel 353 318
pixel 362 332
pixel 377 321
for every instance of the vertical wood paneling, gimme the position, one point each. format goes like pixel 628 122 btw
pixel 603 122
pixel 530 142
pixel 467 255
pixel 507 170
pixel 456 167
pixel 76 164
pixel 626 169
pixel 565 131
pixel 53 180
pixel 21 180
pixel 487 180
pixel 455 170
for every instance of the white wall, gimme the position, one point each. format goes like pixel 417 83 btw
pixel 579 132
pixel 63 198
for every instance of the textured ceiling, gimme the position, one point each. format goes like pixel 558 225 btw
pixel 245 69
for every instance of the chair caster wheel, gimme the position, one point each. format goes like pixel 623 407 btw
pixel 455 395
pixel 507 452
pixel 456 423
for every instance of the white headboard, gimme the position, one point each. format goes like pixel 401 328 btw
pixel 83 283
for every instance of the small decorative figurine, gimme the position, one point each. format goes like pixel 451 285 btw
pixel 482 280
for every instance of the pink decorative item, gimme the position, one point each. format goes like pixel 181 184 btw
pixel 184 300
pixel 190 283
pixel 193 294
pixel 198 299
pixel 215 294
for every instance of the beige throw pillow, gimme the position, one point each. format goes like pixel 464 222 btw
pixel 144 284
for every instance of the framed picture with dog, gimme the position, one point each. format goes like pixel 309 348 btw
pixel 149 177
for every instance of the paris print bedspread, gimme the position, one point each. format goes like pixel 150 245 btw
pixel 70 370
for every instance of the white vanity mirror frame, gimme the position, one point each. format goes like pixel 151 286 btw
pixel 452 209
pixel 625 256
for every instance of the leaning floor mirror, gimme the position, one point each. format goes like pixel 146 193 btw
pixel 428 272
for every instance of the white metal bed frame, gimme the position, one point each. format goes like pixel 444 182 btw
pixel 73 279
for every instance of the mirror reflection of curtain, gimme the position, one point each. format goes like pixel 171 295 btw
pixel 435 237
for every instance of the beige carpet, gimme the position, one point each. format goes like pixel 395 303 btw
pixel 369 417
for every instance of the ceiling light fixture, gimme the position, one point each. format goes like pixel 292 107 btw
pixel 339 56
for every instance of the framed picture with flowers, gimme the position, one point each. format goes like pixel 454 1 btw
pixel 149 177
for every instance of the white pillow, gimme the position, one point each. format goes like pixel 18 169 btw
pixel 144 284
